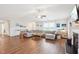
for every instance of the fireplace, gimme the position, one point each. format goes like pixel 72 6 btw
pixel 75 42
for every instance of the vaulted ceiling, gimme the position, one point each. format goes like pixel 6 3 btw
pixel 30 11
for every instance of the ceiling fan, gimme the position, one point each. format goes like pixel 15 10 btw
pixel 41 13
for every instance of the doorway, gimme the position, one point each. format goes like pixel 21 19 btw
pixel 1 28
pixel 4 28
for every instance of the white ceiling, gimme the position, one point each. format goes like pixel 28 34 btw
pixel 29 11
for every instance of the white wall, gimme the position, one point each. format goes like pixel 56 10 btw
pixel 14 29
pixel 30 25
pixel 62 21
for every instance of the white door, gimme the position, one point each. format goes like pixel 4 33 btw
pixel 1 28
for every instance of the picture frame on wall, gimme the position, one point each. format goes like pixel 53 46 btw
pixel 63 25
pixel 58 25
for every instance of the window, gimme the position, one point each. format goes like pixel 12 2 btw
pixel 48 26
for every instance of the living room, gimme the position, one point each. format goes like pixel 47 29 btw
pixel 35 29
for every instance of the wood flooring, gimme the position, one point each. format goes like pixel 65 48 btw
pixel 15 45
